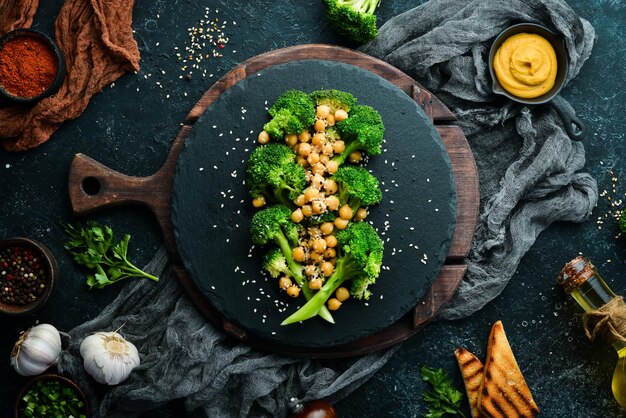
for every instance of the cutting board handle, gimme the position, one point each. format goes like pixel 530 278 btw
pixel 93 186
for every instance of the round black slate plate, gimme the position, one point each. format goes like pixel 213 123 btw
pixel 211 209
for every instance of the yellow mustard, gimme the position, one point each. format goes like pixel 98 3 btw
pixel 525 65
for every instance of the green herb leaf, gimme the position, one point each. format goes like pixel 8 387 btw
pixel 443 398
pixel 94 247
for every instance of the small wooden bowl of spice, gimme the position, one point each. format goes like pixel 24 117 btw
pixel 28 273
pixel 51 395
pixel 31 66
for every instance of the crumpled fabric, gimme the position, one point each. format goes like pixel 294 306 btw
pixel 97 42
pixel 184 356
pixel 530 177
pixel 529 169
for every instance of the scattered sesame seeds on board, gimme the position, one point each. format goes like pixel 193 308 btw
pixel 614 200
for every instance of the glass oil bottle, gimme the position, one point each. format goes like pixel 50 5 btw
pixel 581 280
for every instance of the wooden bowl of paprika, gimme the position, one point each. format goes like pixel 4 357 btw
pixel 28 274
pixel 31 66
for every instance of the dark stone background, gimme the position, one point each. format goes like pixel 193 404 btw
pixel 131 131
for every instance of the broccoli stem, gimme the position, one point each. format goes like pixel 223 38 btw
pixel 317 302
pixel 352 146
pixel 296 273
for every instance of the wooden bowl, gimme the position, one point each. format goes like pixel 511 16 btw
pixel 51 266
pixel 50 376
pixel 61 67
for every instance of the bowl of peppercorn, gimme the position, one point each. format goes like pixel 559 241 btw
pixel 28 274
pixel 31 66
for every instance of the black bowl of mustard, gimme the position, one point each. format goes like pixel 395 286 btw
pixel 32 66
pixel 573 125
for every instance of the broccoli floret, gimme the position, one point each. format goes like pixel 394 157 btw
pixel 273 173
pixel 283 123
pixel 332 133
pixel 274 225
pixel 327 216
pixel 292 113
pixel 363 130
pixel 622 223
pixel 359 259
pixel 353 19
pixel 357 187
pixel 275 263
pixel 334 99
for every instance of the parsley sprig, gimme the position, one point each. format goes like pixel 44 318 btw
pixel 94 246
pixel 443 398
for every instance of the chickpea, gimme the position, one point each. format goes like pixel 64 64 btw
pixel 330 186
pixel 339 147
pixel 318 169
pixel 333 304
pixel 340 115
pixel 291 140
pixel 304 136
pixel 311 193
pixel 302 161
pixel 327 268
pixel 361 214
pixel 322 111
pixel 315 284
pixel 355 156
pixel 307 210
pixel 310 270
pixel 332 202
pixel 330 253
pixel 300 200
pixel 294 292
pixel 327 149
pixel 305 149
pixel 314 232
pixel 331 241
pixel 263 138
pixel 341 223
pixel 332 166
pixel 346 212
pixel 284 282
pixel 327 228
pixel 319 139
pixel 316 257
pixel 333 261
pixel 330 120
pixel 259 201
pixel 317 181
pixel 319 206
pixel 298 254
pixel 297 215
pixel 319 125
pixel 324 159
pixel 342 294
pixel 319 245
pixel 313 158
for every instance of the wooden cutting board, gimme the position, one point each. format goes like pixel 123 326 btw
pixel 93 186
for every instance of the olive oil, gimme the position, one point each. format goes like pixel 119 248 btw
pixel 580 279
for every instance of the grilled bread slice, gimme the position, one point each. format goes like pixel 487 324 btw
pixel 503 390
pixel 472 371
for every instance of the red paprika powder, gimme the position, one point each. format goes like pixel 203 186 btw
pixel 28 66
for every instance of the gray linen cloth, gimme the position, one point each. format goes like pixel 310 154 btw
pixel 529 178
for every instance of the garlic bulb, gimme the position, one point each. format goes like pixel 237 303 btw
pixel 36 350
pixel 108 357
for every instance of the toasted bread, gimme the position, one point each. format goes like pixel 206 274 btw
pixel 472 371
pixel 503 390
